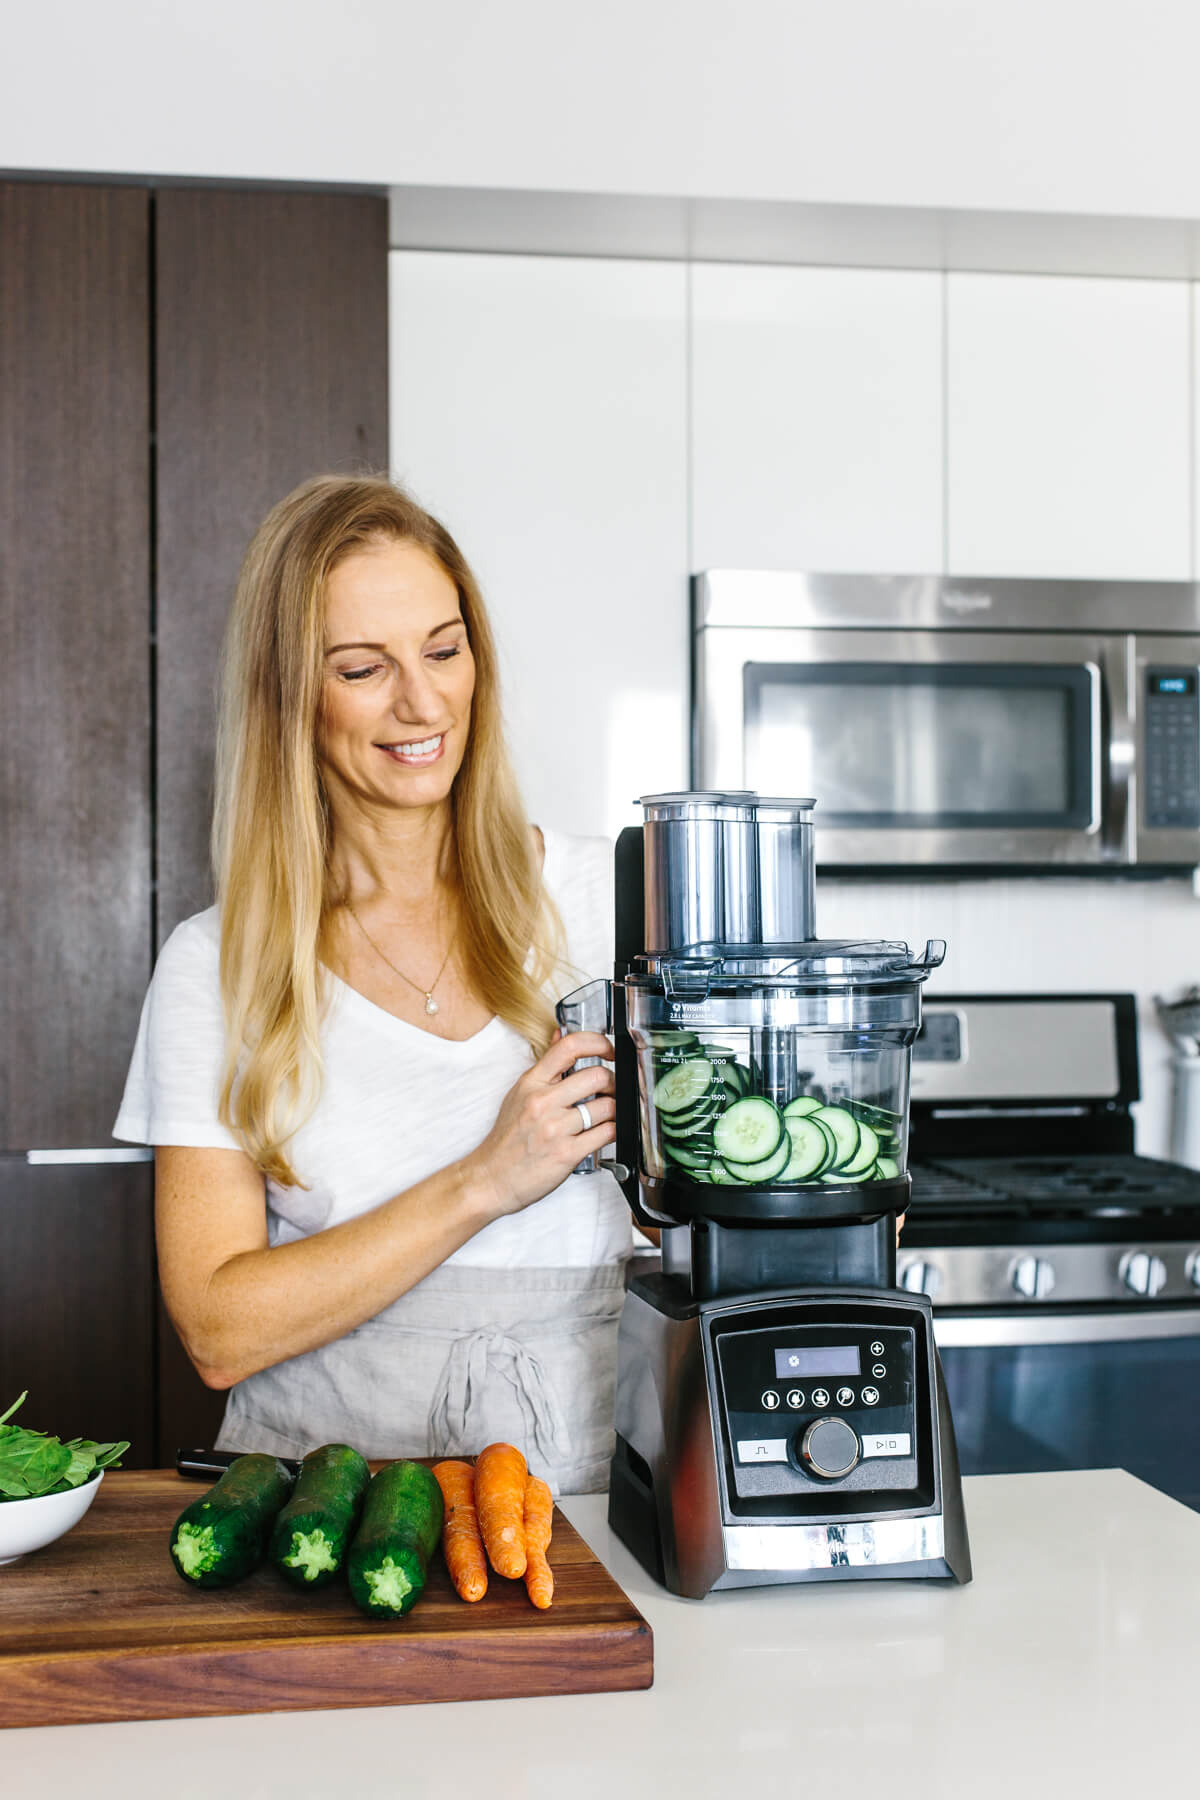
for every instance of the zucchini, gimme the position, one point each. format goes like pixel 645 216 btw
pixel 397 1534
pixel 312 1533
pixel 223 1535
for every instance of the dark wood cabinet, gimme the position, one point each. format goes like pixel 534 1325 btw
pixel 271 366
pixel 75 826
pixel 76 1318
pixel 172 361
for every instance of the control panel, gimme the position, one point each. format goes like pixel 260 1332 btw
pixel 1172 754
pixel 815 1407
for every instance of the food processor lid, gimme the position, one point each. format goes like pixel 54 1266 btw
pixel 818 964
pixel 733 804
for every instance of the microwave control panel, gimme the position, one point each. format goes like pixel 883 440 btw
pixel 1172 757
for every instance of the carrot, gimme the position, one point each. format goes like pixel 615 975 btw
pixel 500 1475
pixel 539 1516
pixel 462 1545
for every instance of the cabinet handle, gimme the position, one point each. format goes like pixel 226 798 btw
pixel 135 1154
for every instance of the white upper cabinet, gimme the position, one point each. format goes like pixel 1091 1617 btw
pixel 1068 435
pixel 539 407
pixel 816 419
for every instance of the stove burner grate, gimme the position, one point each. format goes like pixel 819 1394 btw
pixel 1074 1187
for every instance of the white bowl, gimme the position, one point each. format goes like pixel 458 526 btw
pixel 27 1525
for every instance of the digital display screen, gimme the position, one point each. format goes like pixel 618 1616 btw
pixel 820 1359
pixel 1172 684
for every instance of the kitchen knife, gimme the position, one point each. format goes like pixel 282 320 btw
pixel 210 1465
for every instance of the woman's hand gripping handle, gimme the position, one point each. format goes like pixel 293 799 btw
pixel 554 1115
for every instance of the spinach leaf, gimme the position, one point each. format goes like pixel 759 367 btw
pixel 33 1463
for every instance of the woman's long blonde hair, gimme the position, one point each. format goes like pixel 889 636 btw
pixel 271 825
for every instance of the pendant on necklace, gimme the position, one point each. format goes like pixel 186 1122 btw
pixel 431 1004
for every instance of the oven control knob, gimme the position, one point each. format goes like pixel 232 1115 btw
pixel 1143 1274
pixel 919 1277
pixel 829 1448
pixel 1033 1277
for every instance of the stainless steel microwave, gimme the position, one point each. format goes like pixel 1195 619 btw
pixel 958 724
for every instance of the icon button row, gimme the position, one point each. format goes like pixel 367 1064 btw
pixel 820 1396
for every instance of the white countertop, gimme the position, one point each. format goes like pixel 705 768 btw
pixel 1069 1666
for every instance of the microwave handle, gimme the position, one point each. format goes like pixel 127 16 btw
pixel 1112 729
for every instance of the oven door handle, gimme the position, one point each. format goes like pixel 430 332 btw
pixel 1011 1329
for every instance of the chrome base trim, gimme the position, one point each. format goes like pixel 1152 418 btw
pixel 875 1544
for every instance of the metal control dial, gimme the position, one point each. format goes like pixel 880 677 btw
pixel 1033 1277
pixel 919 1277
pixel 829 1448
pixel 1143 1274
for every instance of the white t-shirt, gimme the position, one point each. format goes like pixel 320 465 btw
pixel 397 1104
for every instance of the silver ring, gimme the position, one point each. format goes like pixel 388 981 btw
pixel 584 1114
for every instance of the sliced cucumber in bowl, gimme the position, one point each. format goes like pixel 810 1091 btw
pixel 683 1085
pixel 749 1131
pixel 770 1168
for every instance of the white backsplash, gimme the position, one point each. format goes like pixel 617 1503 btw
pixel 1040 936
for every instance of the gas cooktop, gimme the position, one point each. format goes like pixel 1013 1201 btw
pixel 1077 1217
pixel 1073 1188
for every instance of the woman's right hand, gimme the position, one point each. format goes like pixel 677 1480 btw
pixel 539 1135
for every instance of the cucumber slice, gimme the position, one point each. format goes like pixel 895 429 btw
pixel 886 1169
pixel 666 1039
pixel 810 1150
pixel 749 1131
pixel 770 1168
pixel 868 1150
pixel 736 1077
pixel 718 1173
pixel 801 1106
pixel 826 1133
pixel 686 1159
pixel 839 1178
pixel 844 1127
pixel 682 1086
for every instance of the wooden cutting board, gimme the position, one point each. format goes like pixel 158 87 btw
pixel 100 1626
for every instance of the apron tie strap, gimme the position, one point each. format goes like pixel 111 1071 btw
pixel 455 1417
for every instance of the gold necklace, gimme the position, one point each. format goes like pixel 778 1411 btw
pixel 431 1005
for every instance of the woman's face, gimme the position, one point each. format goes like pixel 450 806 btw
pixel 399 676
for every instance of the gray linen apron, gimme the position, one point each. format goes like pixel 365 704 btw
pixel 469 1357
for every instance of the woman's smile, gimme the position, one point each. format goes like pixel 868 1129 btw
pixel 416 755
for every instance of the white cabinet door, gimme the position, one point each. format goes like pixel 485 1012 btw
pixel 816 419
pixel 539 408
pixel 1068 435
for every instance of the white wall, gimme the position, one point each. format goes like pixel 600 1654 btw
pixel 591 430
pixel 1042 105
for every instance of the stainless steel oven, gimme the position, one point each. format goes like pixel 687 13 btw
pixel 1077 1390
pixel 1064 1269
pixel 961 724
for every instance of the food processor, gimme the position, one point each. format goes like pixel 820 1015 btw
pixel 780 1411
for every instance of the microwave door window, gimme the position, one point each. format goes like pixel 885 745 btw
pixel 924 746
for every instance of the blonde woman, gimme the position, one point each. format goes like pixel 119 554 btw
pixel 369 1228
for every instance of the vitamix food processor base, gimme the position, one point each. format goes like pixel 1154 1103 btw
pixel 780 1412
pixel 783 1437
